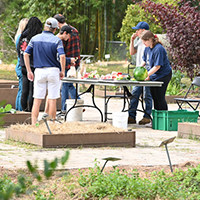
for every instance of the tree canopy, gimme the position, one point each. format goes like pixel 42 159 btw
pixel 181 23
pixel 97 21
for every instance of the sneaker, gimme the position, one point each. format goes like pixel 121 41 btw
pixel 60 115
pixel 144 121
pixel 131 120
pixel 149 125
pixel 45 115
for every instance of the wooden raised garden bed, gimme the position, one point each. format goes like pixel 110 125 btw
pixel 170 99
pixel 17 118
pixel 73 140
pixel 9 95
pixel 189 130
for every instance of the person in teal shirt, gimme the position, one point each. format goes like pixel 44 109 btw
pixel 18 69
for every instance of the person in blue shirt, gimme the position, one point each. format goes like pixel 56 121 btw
pixel 64 34
pixel 156 59
pixel 46 48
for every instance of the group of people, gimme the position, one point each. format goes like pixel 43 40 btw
pixel 152 55
pixel 43 60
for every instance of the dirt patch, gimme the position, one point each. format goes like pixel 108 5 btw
pixel 9 67
pixel 143 171
pixel 71 127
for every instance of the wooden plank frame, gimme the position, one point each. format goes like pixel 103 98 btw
pixel 73 140
pixel 17 118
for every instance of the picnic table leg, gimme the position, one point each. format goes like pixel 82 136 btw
pixel 89 90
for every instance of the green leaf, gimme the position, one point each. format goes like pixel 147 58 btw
pixel 65 158
pixel 30 166
pixel 8 107
pixel 1 109
pixel 47 171
pixel 54 164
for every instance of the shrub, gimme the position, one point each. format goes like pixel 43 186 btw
pixel 181 24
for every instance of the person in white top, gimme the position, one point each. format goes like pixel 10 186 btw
pixel 138 48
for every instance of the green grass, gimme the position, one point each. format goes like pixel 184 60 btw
pixel 8 75
pixel 103 70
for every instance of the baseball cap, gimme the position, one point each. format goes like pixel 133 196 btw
pixel 51 22
pixel 68 29
pixel 60 18
pixel 141 25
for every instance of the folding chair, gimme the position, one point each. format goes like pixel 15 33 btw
pixel 130 66
pixel 186 99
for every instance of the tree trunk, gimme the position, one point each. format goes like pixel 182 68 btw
pixel 95 35
pixel 99 34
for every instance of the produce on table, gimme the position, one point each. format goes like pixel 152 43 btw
pixel 92 74
pixel 123 77
pixel 112 76
pixel 140 73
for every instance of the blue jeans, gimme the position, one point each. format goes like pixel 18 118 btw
pixel 67 89
pixel 136 92
pixel 18 70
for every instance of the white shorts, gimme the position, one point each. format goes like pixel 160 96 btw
pixel 47 78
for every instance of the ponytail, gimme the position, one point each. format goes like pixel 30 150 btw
pixel 147 35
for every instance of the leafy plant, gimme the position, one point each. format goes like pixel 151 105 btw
pixel 8 188
pixel 181 24
pixel 135 14
pixel 8 108
pixel 175 86
pixel 160 185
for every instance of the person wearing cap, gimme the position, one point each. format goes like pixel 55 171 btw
pixel 46 48
pixel 64 34
pixel 72 49
pixel 137 90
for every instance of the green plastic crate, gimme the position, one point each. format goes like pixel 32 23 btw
pixel 168 120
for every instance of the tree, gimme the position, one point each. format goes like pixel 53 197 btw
pixel 135 14
pixel 88 16
pixel 181 24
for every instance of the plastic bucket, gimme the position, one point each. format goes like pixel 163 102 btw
pixel 120 119
pixel 75 114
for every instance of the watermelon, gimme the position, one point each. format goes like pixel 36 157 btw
pixel 140 73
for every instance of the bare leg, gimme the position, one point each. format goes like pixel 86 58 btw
pixel 52 108
pixel 46 110
pixel 35 110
